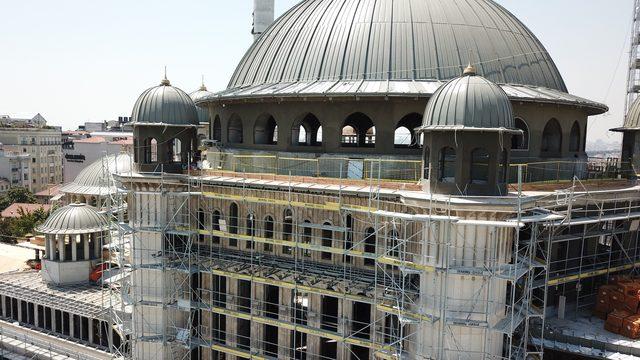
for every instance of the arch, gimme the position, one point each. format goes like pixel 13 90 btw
pixel 150 150
pixel 358 130
pixel 234 213
pixel 426 163
pixel 265 130
pixel 520 142
pixel 287 229
pixel 327 240
pixel 235 132
pixel 305 131
pixel 393 243
pixel 175 150
pixel 574 137
pixel 217 129
pixel 447 165
pixel 268 232
pixel 370 245
pixel 405 135
pixel 307 236
pixel 552 138
pixel 479 166
pixel 215 225
pixel 250 229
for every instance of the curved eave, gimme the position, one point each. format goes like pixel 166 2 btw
pixel 87 190
pixel 75 231
pixel 436 128
pixel 163 124
pixel 387 89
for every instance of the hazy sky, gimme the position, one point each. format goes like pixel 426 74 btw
pixel 79 60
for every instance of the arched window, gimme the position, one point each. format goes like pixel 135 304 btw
pixel 520 141
pixel 234 130
pixel 153 146
pixel 176 150
pixel 348 237
pixel 447 166
pixel 552 138
pixel 201 223
pixel 250 230
pixel 265 130
pixel 327 240
pixel 217 129
pixel 393 246
pixel 319 136
pixel 287 230
pixel 358 130
pixel 370 246
pixel 150 150
pixel 574 138
pixel 268 233
pixel 479 166
pixel 215 225
pixel 305 131
pixel 426 163
pixel 233 223
pixel 307 235
pixel 405 135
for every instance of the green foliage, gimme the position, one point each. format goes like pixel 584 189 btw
pixel 16 195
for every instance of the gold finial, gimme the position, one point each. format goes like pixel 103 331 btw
pixel 470 69
pixel 202 87
pixel 165 81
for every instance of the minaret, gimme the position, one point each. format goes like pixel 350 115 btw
pixel 263 14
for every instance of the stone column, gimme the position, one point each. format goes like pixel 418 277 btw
pixel 97 245
pixel 36 321
pixel 73 239
pixel 284 335
pixel 315 309
pixel 85 244
pixel 90 330
pixel 344 328
pixel 47 248
pixel 60 239
pixel 257 329
pixel 20 314
pixel 4 305
pixel 71 332
pixel 54 326
pixel 232 322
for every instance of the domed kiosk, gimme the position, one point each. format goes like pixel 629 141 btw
pixel 165 122
pixel 74 236
pixel 353 77
pixel 95 183
pixel 468 125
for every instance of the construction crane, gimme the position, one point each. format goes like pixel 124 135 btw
pixel 633 81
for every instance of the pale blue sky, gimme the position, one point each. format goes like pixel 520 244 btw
pixel 79 60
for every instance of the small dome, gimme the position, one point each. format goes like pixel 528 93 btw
pixel 164 105
pixel 97 178
pixel 632 120
pixel 469 102
pixel 203 112
pixel 75 219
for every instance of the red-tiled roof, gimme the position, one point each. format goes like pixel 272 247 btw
pixel 13 211
pixel 91 140
pixel 127 141
pixel 52 191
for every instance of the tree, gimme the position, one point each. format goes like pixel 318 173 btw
pixel 16 195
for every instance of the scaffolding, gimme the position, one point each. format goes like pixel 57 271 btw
pixel 260 269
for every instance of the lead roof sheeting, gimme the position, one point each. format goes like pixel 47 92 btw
pixel 387 39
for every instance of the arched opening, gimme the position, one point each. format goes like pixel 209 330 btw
pixel 215 225
pixel 150 150
pixel 327 240
pixel 268 233
pixel 175 150
pixel 447 166
pixel 358 131
pixel 305 131
pixel 217 129
pixel 405 134
pixel 233 223
pixel 307 235
pixel 370 246
pixel 552 138
pixel 265 131
pixel 348 236
pixel 504 167
pixel 201 224
pixel 426 163
pixel 574 138
pixel 393 246
pixel 234 130
pixel 479 166
pixel 287 230
pixel 250 230
pixel 520 141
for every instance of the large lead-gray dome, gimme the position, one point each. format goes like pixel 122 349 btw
pixel 396 40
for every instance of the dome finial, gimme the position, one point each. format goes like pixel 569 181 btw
pixel 202 87
pixel 165 81
pixel 470 69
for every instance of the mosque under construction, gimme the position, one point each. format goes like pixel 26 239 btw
pixel 381 179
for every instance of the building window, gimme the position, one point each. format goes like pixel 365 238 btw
pixel 405 134
pixel 287 230
pixel 233 223
pixel 265 130
pixel 358 130
pixel 574 138
pixel 520 141
pixel 217 129
pixel 504 167
pixel 176 150
pixel 479 166
pixel 552 138
pixel 251 230
pixel 447 167
pixel 426 163
pixel 307 131
pixel 268 233
pixel 370 246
